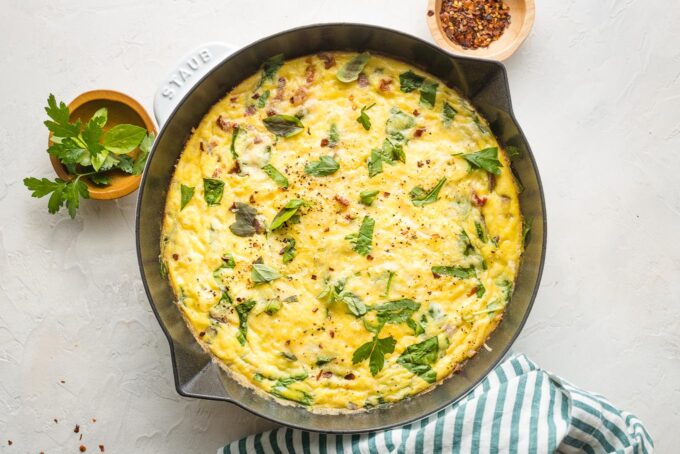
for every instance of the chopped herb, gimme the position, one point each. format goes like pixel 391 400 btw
pixel 368 196
pixel 362 241
pixel 480 231
pixel 279 178
pixel 291 208
pixel 448 114
pixel 486 159
pixel 481 290
pixel 331 291
pixel 326 165
pixel 396 311
pixel 281 388
pixel 246 219
pixel 374 163
pixel 392 152
pixel 349 72
pixel 283 125
pixel 221 310
pixel 353 302
pixel 186 193
pixel 289 250
pixel 467 246
pixel 323 359
pixel 333 136
pixel 375 351
pixel 262 100
pixel 243 310
pixel 526 229
pixel 364 119
pixel 289 356
pixel 455 271
pixel 212 191
pixel 228 262
pixel 428 93
pixel 262 274
pixel 235 131
pixel 269 69
pixel 390 276
pixel 419 197
pixel 410 81
pixel 291 299
pixel 417 358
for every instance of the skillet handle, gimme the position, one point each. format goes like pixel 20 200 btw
pixel 187 72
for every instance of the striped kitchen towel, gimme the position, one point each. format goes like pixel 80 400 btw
pixel 517 408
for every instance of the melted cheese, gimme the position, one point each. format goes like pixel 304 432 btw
pixel 303 352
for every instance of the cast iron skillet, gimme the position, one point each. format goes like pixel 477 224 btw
pixel 483 82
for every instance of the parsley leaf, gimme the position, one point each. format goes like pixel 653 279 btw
pixel 100 179
pixel 186 194
pixel 448 114
pixel 261 273
pixel 279 178
pixel 68 151
pixel 326 165
pixel 417 358
pixel 212 191
pixel 63 193
pixel 486 159
pixel 410 81
pixel 269 69
pixel 246 220
pixel 420 197
pixel 362 241
pixel 288 250
pixel 428 93
pixel 353 302
pixel 455 271
pixel 364 119
pixel 60 127
pixel 287 212
pixel 349 72
pixel 243 310
pixel 375 351
pixel 368 196
pixel 283 125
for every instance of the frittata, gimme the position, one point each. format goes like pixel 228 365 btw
pixel 342 231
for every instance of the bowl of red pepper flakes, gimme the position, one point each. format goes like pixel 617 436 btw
pixel 490 29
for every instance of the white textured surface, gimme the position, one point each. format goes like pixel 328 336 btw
pixel 596 89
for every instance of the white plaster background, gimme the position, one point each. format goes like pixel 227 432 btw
pixel 596 88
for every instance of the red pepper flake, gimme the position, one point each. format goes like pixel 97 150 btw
pixel 223 124
pixel 236 168
pixel 201 334
pixel 313 277
pixel 419 132
pixel 350 376
pixel 477 200
pixel 341 200
pixel 83 448
pixel 331 333
pixel 318 376
pixel 472 291
pixel 9 442
pixel 386 194
pixel 271 112
pixel 315 310
pixel 101 448
pixel 250 110
pixel 362 81
pixel 255 96
pixel 420 163
pixel 174 257
pixel 385 84
pixel 474 23
pixel 430 13
pixel 201 146
pixel 251 199
pixel 369 257
pixel 416 113
pixel 233 99
pixel 324 142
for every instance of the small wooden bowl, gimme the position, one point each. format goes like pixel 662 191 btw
pixel 121 109
pixel 522 13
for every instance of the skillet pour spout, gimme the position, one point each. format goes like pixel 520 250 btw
pixel 483 82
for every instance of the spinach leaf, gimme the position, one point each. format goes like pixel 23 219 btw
pixel 261 274
pixel 120 139
pixel 283 125
pixel 481 290
pixel 428 93
pixel 374 163
pixel 287 212
pixel 289 250
pixel 243 310
pixel 235 131
pixel 448 114
pixel 323 359
pixel 417 358
pixel 419 197
pixel 269 69
pixel 144 149
pixel 326 165
pixel 212 191
pixel 368 196
pixel 262 100
pixel 228 262
pixel 279 178
pixel 467 246
pixel 375 351
pixel 396 311
pixel 415 326
pixel 362 241
pixel 221 310
pixel 481 234
pixel 398 122
pixel 246 220
pixel 186 193
pixel 353 302
pixel 364 119
pixel 410 81
pixel 455 271
pixel 333 136
pixel 281 388
pixel 349 72
pixel 486 159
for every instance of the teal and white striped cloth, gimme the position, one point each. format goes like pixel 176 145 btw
pixel 517 408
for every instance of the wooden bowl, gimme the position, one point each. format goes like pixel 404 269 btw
pixel 522 13
pixel 121 109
